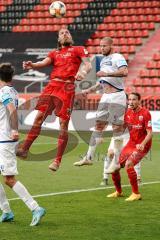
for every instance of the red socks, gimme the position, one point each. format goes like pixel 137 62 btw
pixel 62 143
pixel 133 179
pixel 32 135
pixel 116 177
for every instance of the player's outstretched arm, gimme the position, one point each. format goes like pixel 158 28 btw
pixel 92 89
pixel 84 69
pixel 30 65
pixel 121 72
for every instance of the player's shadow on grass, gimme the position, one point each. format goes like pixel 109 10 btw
pixel 48 155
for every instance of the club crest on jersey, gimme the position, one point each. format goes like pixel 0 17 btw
pixel 140 118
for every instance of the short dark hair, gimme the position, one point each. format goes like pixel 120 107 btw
pixel 6 72
pixel 136 94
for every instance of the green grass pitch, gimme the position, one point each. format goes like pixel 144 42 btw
pixel 83 215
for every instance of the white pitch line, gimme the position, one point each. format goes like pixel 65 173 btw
pixel 81 190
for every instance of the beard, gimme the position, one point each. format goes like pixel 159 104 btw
pixel 65 42
pixel 108 53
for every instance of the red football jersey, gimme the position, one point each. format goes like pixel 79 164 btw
pixel 66 62
pixel 137 123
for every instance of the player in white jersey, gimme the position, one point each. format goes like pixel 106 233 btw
pixel 110 155
pixel 8 139
pixel 112 105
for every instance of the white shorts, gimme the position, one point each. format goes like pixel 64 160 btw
pixel 8 161
pixel 112 107
pixel 125 139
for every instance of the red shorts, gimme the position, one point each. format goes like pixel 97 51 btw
pixel 130 152
pixel 58 97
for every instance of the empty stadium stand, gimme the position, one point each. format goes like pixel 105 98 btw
pixel 132 25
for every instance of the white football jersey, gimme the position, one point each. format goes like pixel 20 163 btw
pixel 112 63
pixel 7 95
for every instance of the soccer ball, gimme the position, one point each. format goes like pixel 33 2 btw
pixel 57 9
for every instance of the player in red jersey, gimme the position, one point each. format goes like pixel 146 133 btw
pixel 138 121
pixel 59 94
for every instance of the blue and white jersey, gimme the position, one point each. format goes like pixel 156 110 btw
pixel 112 63
pixel 7 95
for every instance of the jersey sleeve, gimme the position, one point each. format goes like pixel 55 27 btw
pixel 121 62
pixel 6 97
pixel 148 122
pixel 51 55
pixel 81 52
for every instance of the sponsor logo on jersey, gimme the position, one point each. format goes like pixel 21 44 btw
pixel 138 126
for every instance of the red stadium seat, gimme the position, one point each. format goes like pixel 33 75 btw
pixel 131 41
pixel 157 18
pixel 150 64
pixel 137 81
pixel 155 81
pixel 138 41
pixel 91 49
pixel 129 89
pixel 146 81
pixel 96 41
pixel 151 25
pixel 149 90
pixel 124 49
pixel 101 34
pixel 89 42
pixel 145 33
pixel 139 90
pixel 127 26
pixel 135 26
pixel 156 56
pixel 102 26
pixel 126 56
pixel 131 49
pixel 157 90
pixel 119 34
pixel 122 41
pixel 115 12
pixel 153 73
pixel 143 73
pixel 157 65
pixel 111 26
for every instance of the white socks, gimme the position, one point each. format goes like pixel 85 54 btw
pixel 22 192
pixel 118 144
pixel 4 204
pixel 95 140
pixel 107 162
pixel 137 168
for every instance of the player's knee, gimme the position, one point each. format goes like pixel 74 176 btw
pixel 63 129
pixel 129 164
pixel 10 181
